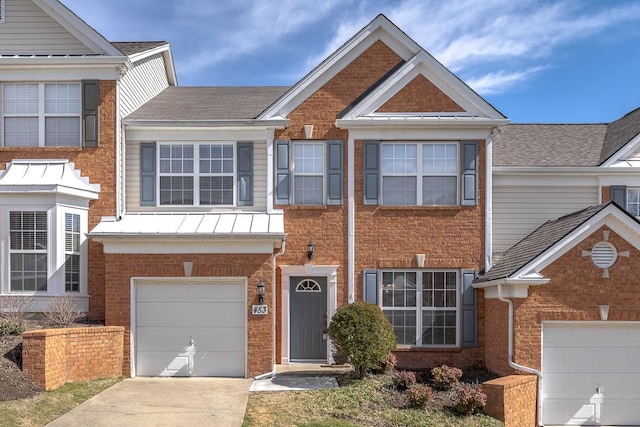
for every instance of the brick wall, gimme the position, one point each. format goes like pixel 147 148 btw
pixel 386 237
pixel 496 330
pixel 99 164
pixel 54 357
pixel 513 399
pixel 256 267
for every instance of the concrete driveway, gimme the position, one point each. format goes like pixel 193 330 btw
pixel 164 402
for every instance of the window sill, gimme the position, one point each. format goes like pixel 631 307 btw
pixel 425 208
pixel 308 207
pixel 3 148
pixel 408 348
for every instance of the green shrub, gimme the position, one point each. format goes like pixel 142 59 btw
pixel 403 380
pixel 363 334
pixel 419 395
pixel 445 377
pixel 469 398
pixel 11 327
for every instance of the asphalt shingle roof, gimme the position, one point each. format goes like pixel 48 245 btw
pixel 549 145
pixel 131 48
pixel 619 133
pixel 181 103
pixel 536 243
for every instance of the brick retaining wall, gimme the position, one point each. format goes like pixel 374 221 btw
pixel 512 399
pixel 54 357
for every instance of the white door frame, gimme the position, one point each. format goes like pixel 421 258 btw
pixel 181 280
pixel 328 271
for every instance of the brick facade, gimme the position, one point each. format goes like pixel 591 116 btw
pixel 512 399
pixel 420 96
pixel 54 357
pixel 256 267
pixel 99 165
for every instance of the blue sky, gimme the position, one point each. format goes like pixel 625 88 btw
pixel 564 61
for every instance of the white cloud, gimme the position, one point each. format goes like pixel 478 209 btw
pixel 500 81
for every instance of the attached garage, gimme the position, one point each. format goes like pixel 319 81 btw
pixel 190 328
pixel 591 373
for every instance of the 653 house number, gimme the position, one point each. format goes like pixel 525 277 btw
pixel 259 309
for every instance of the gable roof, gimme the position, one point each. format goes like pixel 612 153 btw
pixel 548 235
pixel 620 133
pixel 548 145
pixel 182 103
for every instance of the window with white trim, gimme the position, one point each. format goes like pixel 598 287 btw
pixel 423 174
pixel 422 306
pixel 197 174
pixel 308 173
pixel 71 252
pixel 28 244
pixel 633 200
pixel 41 114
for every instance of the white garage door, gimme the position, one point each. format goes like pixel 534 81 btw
pixel 190 329
pixel 591 373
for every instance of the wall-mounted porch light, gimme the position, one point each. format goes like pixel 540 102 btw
pixel 260 289
pixel 310 250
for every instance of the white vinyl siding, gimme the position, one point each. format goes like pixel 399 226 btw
pixel 133 182
pixel 519 209
pixel 27 29
pixel 147 79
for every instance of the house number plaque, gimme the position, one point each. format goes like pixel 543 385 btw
pixel 259 309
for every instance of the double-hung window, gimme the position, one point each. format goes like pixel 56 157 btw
pixel 72 252
pixel 197 174
pixel 633 200
pixel 28 243
pixel 309 172
pixel 420 173
pixel 422 306
pixel 41 114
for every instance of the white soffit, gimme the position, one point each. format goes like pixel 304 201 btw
pixel 423 64
pixel 611 216
pixel 46 176
pixel 381 28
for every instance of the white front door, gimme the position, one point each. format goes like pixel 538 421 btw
pixel 190 329
pixel 591 373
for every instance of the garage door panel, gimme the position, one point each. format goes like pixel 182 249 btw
pixel 187 314
pixel 196 329
pixel 591 374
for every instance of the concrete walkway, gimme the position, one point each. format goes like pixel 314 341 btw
pixel 164 402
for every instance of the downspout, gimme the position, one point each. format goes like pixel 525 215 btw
pixel 516 366
pixel 273 310
pixel 488 220
pixel 351 220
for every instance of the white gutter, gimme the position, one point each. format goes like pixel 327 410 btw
pixel 273 311
pixel 517 366
pixel 351 220
pixel 488 221
pixel 572 170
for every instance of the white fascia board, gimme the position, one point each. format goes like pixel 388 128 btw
pixel 402 122
pixel 611 216
pixel 426 65
pixel 624 152
pixel 141 133
pixel 125 244
pixel 566 170
pixel 208 125
pixel 76 26
pixel 378 29
pixel 63 68
pixel 49 189
pixel 403 133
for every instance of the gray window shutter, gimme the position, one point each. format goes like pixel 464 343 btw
pixel 283 174
pixel 469 173
pixel 245 173
pixel 334 172
pixel 90 100
pixel 371 172
pixel 469 310
pixel 619 195
pixel 148 174
pixel 370 286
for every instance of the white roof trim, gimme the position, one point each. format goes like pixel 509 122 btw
pixel 193 225
pixel 46 176
pixel 378 29
pixel 76 26
pixel 624 152
pixel 169 66
pixel 418 121
pixel 611 216
pixel 423 64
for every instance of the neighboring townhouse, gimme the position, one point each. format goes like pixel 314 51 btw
pixel 63 92
pixel 562 296
pixel 365 180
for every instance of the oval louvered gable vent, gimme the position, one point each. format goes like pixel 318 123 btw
pixel 604 254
